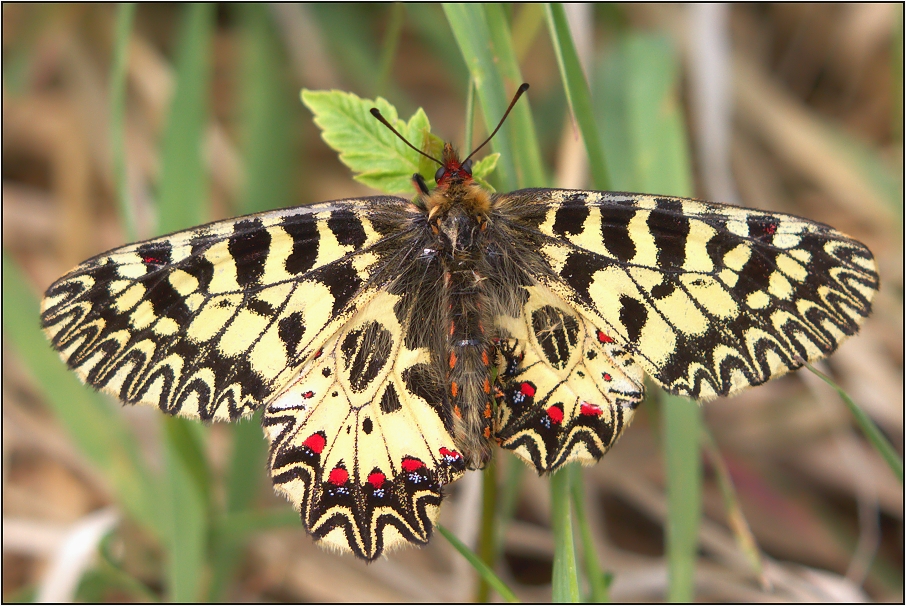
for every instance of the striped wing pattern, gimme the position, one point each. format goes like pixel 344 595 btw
pixel 356 443
pixel 211 322
pixel 566 390
pixel 326 316
pixel 707 298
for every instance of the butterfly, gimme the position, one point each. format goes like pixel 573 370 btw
pixel 393 342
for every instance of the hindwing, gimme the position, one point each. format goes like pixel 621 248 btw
pixel 567 390
pixel 707 298
pixel 212 321
pixel 357 444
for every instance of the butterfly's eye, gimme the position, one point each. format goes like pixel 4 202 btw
pixel 467 166
pixel 439 174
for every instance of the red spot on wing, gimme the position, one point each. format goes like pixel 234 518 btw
pixel 770 229
pixel 604 338
pixel 590 410
pixel 527 389
pixel 315 443
pixel 318 353
pixel 607 376
pixel 338 476
pixel 446 452
pixel 150 259
pixel 308 395
pixel 412 464
pixel 376 479
pixel 555 414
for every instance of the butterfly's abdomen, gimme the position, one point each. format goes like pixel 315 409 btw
pixel 468 358
pixel 467 345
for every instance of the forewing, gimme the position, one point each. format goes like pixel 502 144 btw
pixel 707 298
pixel 567 390
pixel 357 443
pixel 212 321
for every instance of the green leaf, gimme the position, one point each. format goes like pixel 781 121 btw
pixel 483 168
pixel 644 136
pixel 377 157
pixel 186 512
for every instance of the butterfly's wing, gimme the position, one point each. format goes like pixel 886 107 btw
pixel 357 440
pixel 707 298
pixel 566 390
pixel 211 322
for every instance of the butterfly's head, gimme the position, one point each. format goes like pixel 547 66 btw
pixel 451 170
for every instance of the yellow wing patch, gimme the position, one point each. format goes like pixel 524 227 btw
pixel 211 322
pixel 708 298
pixel 355 445
pixel 566 389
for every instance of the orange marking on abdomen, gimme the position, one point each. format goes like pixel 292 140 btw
pixel 457 412
pixel 487 385
pixel 487 432
pixel 484 358
pixel 452 359
pixel 454 388
pixel 452 328
pixel 487 410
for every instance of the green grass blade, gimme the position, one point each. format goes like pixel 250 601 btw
pixel 527 24
pixel 644 135
pixel 125 15
pixel 470 28
pixel 530 169
pixel 470 116
pixel 682 421
pixel 736 519
pixel 183 185
pixel 268 111
pixel 487 535
pixel 868 427
pixel 486 573
pixel 577 93
pixel 187 513
pixel 565 577
pixel 645 141
pixel 390 44
pixel 87 416
pixel 182 203
pixel 597 579
pixel 248 521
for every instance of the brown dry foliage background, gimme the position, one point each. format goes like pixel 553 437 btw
pixel 825 511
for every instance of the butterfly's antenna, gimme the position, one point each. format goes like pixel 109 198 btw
pixel 377 114
pixel 518 94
